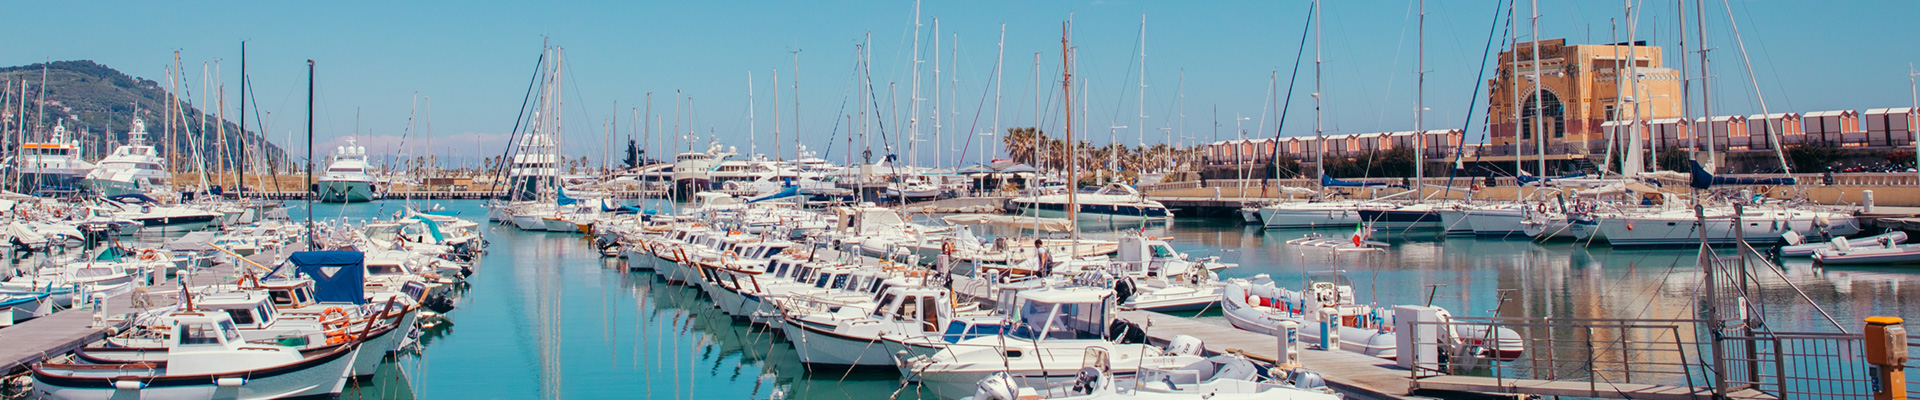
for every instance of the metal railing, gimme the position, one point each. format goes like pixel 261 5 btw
pixel 1607 353
pixel 1597 351
pixel 1799 365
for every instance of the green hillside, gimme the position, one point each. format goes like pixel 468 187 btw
pixel 93 99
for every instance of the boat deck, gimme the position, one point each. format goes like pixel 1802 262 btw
pixel 1355 375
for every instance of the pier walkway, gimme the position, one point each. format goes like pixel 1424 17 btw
pixel 45 337
pixel 1357 376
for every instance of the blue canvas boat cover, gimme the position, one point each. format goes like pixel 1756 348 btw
pixel 1703 179
pixel 338 276
pixel 1529 179
pixel 1330 181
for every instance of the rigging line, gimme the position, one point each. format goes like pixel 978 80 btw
pixel 514 135
pixel 977 110
pixel 1474 99
pixel 1280 121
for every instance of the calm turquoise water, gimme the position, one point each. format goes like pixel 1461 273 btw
pixel 547 317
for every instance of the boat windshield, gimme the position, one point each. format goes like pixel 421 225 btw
pixel 1043 320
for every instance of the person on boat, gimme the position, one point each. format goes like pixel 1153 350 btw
pixel 1046 259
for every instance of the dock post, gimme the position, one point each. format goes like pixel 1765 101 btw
pixel 1887 358
pixel 1866 201
pixel 1329 331
pixel 1417 341
pixel 1289 345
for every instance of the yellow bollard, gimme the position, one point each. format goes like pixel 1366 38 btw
pixel 1887 357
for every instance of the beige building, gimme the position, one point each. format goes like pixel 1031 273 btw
pixel 1581 88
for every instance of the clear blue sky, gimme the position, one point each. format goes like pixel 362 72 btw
pixel 473 59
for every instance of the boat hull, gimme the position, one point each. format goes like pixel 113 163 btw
pixel 345 191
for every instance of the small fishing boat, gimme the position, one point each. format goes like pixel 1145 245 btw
pixel 205 359
pixel 1885 252
pixel 1259 305
pixel 1222 377
pixel 1797 248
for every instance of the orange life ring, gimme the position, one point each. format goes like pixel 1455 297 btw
pixel 149 255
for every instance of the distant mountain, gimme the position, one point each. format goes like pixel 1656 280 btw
pixel 91 99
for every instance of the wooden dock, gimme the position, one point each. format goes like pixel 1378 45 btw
pixel 1357 376
pixel 61 332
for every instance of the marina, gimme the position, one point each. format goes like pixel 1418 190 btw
pixel 1627 216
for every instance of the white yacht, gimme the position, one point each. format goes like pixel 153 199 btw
pixel 132 168
pixel 53 165
pixel 346 179
pixel 1112 203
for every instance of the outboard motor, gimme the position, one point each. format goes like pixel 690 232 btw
pixel 998 386
pixel 1122 331
pixel 1086 380
pixel 1123 290
pixel 1186 345
pixel 1308 380
pixel 438 303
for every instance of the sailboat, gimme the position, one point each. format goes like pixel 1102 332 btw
pixel 346 179
pixel 132 168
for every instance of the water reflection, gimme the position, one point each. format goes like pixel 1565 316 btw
pixel 548 317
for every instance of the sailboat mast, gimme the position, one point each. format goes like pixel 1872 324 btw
pixel 913 102
pixel 310 242
pixel 242 176
pixel 753 139
pixel 1513 64
pixel 1320 136
pixel 938 143
pixel 1142 127
pixel 1706 95
pixel 1633 160
pixel 796 102
pixel 1420 110
pixel 1539 118
pixel 1073 168
pixel 999 63
pixel 776 115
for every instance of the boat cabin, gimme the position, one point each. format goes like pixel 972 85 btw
pixel 927 305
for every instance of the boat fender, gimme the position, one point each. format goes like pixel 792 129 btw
pixel 129 384
pixel 231 381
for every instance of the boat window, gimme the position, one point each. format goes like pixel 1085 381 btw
pixel 931 318
pixel 882 309
pixel 907 308
pixel 267 314
pixel 823 281
pixel 882 289
pixel 302 296
pixel 241 316
pixel 281 297
pixel 226 329
pixel 201 333
pixel 383 269
pixel 840 282
pixel 1161 251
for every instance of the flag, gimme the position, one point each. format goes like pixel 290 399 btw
pixel 1358 234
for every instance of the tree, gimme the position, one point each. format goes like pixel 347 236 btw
pixel 1814 157
pixel 1674 159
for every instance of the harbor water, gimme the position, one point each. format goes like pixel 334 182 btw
pixel 546 316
